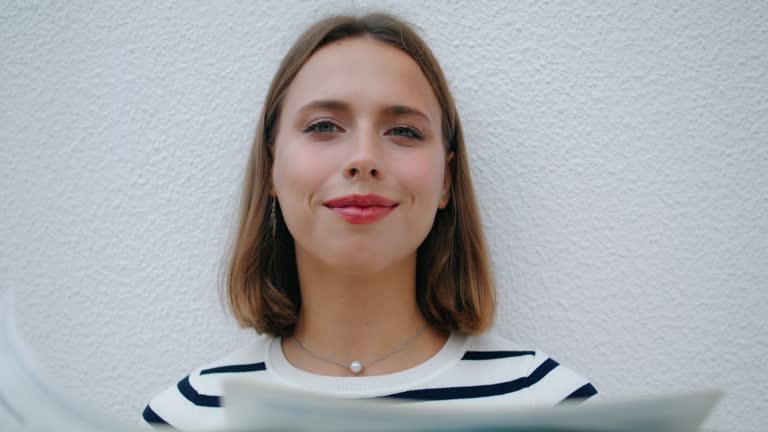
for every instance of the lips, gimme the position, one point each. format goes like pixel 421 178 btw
pixel 361 209
pixel 360 201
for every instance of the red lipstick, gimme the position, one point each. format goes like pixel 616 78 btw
pixel 361 209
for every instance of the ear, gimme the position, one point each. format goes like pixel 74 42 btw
pixel 271 150
pixel 445 195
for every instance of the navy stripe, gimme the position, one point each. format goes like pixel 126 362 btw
pixel 582 393
pixel 196 398
pixel 479 391
pixel 491 355
pixel 542 371
pixel 253 367
pixel 151 417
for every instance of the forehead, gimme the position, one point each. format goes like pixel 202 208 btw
pixel 365 73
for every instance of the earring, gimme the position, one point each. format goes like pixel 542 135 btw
pixel 274 219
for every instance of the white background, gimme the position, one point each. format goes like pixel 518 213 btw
pixel 619 151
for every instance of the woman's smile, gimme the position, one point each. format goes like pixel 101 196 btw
pixel 362 215
pixel 361 209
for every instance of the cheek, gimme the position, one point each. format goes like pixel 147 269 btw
pixel 296 172
pixel 423 176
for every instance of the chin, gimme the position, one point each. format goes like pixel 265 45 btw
pixel 358 264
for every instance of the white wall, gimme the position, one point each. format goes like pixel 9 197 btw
pixel 619 150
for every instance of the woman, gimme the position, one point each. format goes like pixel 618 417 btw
pixel 360 255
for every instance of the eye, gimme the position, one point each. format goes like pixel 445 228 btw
pixel 407 132
pixel 323 126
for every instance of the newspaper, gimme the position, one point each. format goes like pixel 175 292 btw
pixel 29 398
pixel 253 405
pixel 31 402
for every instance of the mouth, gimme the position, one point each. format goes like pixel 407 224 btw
pixel 361 209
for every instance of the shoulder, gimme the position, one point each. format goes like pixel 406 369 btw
pixel 194 402
pixel 543 379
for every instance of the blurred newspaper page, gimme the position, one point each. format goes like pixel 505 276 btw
pixel 29 401
pixel 253 406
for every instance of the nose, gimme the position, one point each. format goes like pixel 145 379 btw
pixel 363 171
pixel 364 160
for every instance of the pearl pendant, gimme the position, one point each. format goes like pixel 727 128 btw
pixel 356 367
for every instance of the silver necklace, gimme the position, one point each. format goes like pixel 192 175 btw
pixel 357 366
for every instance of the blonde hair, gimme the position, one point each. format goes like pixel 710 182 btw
pixel 454 285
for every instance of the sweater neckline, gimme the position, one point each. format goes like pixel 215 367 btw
pixel 365 386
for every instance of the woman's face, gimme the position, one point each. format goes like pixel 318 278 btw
pixel 360 118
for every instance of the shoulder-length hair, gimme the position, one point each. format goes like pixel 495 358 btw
pixel 454 284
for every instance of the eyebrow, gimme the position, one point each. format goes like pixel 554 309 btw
pixel 337 105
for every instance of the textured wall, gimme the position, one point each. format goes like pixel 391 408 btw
pixel 620 153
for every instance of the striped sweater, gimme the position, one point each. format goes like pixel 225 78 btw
pixel 467 370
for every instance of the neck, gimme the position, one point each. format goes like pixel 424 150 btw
pixel 352 316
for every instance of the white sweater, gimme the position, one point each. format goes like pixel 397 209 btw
pixel 467 370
